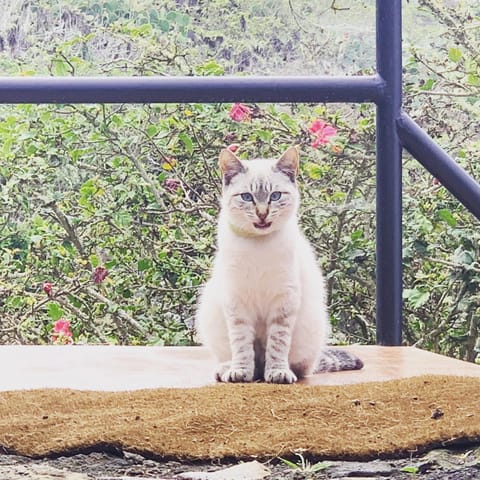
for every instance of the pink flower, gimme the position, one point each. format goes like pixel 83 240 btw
pixel 61 332
pixel 62 326
pixel 233 147
pixel 171 184
pixel 99 274
pixel 240 112
pixel 47 288
pixel 322 132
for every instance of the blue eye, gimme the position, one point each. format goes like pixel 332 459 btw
pixel 247 197
pixel 275 196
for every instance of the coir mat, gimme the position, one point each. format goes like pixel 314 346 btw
pixel 383 419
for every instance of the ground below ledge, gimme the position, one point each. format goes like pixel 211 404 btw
pixel 458 464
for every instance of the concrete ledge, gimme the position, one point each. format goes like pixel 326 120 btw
pixel 115 368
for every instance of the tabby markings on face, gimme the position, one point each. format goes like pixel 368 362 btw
pixel 264 199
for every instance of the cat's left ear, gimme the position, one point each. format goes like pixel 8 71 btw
pixel 288 163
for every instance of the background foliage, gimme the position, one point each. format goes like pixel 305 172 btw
pixel 108 211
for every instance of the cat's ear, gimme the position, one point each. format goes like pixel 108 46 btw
pixel 288 163
pixel 230 165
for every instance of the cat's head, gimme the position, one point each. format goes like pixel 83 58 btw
pixel 259 196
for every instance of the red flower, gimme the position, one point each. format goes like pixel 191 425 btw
pixel 240 112
pixel 233 147
pixel 61 332
pixel 99 274
pixel 47 288
pixel 322 132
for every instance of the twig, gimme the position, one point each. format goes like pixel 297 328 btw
pixel 65 223
pixel 117 311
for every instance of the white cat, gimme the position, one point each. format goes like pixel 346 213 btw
pixel 263 312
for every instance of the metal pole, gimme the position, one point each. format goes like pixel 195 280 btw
pixel 389 175
pixel 189 89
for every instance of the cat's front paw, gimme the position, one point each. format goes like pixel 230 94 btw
pixel 234 375
pixel 280 375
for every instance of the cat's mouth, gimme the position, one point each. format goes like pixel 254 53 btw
pixel 262 225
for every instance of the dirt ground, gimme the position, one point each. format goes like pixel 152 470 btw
pixel 460 464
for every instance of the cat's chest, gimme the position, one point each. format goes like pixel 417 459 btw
pixel 261 271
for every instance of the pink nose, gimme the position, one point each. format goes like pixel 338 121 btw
pixel 262 216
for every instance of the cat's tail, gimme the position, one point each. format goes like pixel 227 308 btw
pixel 337 359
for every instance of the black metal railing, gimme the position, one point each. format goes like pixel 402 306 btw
pixel 394 131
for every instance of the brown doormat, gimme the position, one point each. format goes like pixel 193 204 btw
pixel 362 421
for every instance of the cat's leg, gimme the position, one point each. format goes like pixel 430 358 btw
pixel 279 336
pixel 242 366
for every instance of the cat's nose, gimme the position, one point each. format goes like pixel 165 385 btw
pixel 262 215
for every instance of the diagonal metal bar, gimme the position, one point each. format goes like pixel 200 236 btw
pixel 359 89
pixel 439 164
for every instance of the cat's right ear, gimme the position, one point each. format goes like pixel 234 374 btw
pixel 230 165
pixel 288 163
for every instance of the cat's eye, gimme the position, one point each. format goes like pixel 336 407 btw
pixel 274 196
pixel 247 197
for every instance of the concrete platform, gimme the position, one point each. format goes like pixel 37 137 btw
pixel 114 368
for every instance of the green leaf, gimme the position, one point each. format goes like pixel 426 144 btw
pixel 416 297
pixel 172 16
pixel 60 67
pixel 356 235
pixel 152 130
pixel 15 302
pixel 210 68
pixel 454 54
pixel 94 260
pixel 164 25
pixel 428 85
pixel 264 135
pixel 144 264
pixel 314 171
pixel 446 215
pixel 122 219
pixel 410 469
pixel 182 20
pixel 187 141
pixel 464 257
pixel 473 80
pixel 55 312
pixel 319 466
pixel 145 29
pixel 288 121
pixel 290 464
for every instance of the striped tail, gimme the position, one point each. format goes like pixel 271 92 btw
pixel 336 359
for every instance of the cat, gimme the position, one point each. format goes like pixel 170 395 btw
pixel 262 313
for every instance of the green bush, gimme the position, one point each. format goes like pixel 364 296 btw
pixel 115 205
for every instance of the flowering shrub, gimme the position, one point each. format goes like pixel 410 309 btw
pixel 115 205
